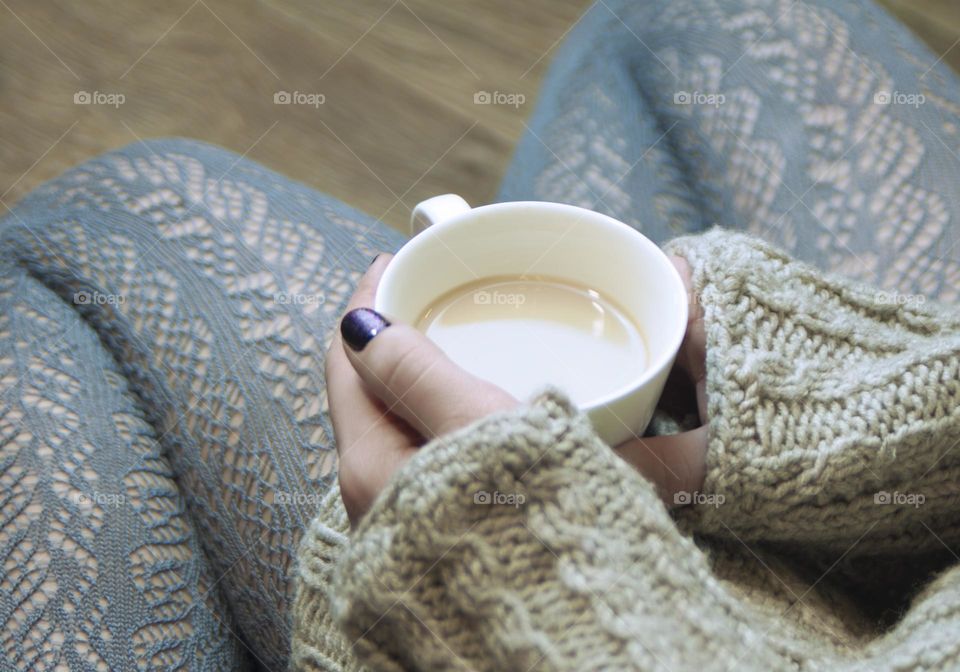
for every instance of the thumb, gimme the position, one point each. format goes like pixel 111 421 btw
pixel 414 378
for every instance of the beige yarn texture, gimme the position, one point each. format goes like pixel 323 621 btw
pixel 834 411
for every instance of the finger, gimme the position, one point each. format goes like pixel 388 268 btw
pixel 370 446
pixel 363 294
pixel 366 289
pixel 367 467
pixel 352 410
pixel 691 358
pixel 701 387
pixel 686 274
pixel 675 464
pixel 414 378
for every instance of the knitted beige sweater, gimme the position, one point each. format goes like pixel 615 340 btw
pixel 818 542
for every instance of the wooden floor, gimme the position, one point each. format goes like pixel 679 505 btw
pixel 398 122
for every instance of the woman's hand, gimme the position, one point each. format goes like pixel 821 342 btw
pixel 391 389
pixel 390 394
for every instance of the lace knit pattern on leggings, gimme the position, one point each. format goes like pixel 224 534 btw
pixel 796 121
pixel 164 422
pixel 164 309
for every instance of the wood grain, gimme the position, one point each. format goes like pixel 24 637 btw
pixel 936 22
pixel 398 122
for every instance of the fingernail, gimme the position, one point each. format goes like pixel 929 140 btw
pixel 360 325
pixel 374 260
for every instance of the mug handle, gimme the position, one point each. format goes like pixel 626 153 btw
pixel 435 210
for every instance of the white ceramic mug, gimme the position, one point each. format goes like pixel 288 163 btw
pixel 456 244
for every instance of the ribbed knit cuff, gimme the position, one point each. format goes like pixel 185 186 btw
pixel 317 643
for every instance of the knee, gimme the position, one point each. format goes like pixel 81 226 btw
pixel 158 148
pixel 149 181
pixel 141 166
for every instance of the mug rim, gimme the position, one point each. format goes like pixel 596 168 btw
pixel 664 359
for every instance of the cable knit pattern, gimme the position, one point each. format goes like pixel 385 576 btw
pixel 835 413
pixel 437 577
pixel 583 570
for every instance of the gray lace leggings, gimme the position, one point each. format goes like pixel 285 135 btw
pixel 165 309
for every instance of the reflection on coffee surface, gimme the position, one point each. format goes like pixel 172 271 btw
pixel 523 332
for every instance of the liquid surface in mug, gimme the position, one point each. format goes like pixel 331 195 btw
pixel 523 332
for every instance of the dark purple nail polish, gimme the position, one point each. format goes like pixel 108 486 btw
pixel 360 325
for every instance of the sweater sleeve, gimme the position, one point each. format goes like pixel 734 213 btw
pixel 523 542
pixel 834 408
